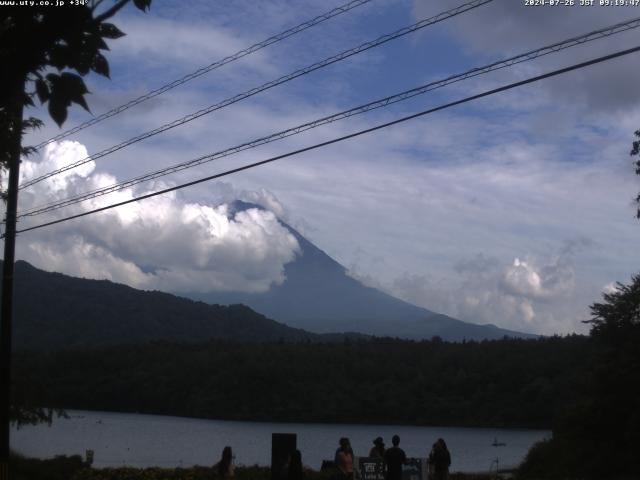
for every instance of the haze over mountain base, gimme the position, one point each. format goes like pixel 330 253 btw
pixel 320 297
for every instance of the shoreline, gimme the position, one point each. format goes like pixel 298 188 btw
pixel 310 422
pixel 76 468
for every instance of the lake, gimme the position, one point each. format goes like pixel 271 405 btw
pixel 151 440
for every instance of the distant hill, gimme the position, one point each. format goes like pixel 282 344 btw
pixel 54 311
pixel 319 296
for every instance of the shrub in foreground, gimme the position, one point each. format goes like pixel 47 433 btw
pixel 58 468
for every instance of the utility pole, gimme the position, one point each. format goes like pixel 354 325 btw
pixel 6 319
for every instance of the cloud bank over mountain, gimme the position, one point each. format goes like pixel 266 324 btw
pixel 165 242
pixel 526 293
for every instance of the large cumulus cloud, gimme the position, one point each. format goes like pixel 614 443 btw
pixel 527 294
pixel 164 242
pixel 523 278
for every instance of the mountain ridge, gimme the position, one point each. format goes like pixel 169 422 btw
pixel 56 311
pixel 319 296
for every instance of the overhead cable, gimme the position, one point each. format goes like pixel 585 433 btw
pixel 266 86
pixel 340 139
pixel 201 71
pixel 556 47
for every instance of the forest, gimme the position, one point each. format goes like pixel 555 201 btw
pixel 503 383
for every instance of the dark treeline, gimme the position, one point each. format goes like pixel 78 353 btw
pixel 598 435
pixel 509 383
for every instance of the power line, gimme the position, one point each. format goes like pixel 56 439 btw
pixel 266 86
pixel 201 71
pixel 597 34
pixel 345 137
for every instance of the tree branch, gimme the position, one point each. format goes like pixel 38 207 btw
pixel 96 4
pixel 111 12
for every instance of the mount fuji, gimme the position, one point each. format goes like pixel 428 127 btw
pixel 319 296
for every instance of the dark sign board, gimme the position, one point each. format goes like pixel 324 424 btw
pixel 282 446
pixel 412 470
pixel 373 469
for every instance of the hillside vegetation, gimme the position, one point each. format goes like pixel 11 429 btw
pixel 509 383
pixel 76 312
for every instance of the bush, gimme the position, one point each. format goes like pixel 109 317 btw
pixel 58 468
pixel 191 473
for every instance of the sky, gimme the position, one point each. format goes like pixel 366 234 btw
pixel 516 209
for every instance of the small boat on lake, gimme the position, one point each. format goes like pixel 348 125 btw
pixel 496 443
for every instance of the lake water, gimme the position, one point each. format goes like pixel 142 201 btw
pixel 151 440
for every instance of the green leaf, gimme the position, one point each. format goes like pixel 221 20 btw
pixel 74 89
pixel 109 30
pixel 73 83
pixel 79 99
pixel 93 41
pixel 42 90
pixel 102 45
pixel 57 110
pixel 59 56
pixel 82 63
pixel 100 65
pixel 142 4
pixel 32 123
pixel 64 89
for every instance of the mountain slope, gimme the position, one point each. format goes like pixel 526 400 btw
pixel 319 296
pixel 54 311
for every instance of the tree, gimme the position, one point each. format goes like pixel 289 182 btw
pixel 45 50
pixel 619 313
pixel 614 410
pixel 598 436
pixel 35 40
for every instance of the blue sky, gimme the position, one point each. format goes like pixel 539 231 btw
pixel 515 210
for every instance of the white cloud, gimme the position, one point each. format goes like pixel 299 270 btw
pixel 518 295
pixel 516 28
pixel 610 287
pixel 554 279
pixel 526 309
pixel 164 242
pixel 165 43
pixel 521 279
pixel 265 199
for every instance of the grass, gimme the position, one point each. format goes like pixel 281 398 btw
pixel 74 468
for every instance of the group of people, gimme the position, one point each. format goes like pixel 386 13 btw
pixel 393 459
pixel 438 460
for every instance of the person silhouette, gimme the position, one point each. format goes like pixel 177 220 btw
pixel 344 459
pixel 439 460
pixel 377 451
pixel 394 458
pixel 225 466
